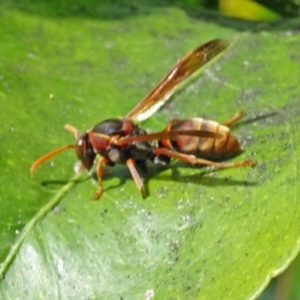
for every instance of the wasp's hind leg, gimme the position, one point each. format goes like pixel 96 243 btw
pixel 234 119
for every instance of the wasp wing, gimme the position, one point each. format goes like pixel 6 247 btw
pixel 187 65
pixel 171 135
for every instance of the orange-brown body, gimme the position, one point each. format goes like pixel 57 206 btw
pixel 121 141
pixel 224 145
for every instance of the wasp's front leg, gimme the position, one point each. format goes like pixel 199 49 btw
pixel 100 172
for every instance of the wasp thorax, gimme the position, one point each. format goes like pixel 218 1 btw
pixel 116 156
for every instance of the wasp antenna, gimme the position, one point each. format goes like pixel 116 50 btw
pixel 49 155
pixel 73 130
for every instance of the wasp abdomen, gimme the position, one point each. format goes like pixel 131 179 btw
pixel 224 145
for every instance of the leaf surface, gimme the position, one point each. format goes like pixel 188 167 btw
pixel 201 233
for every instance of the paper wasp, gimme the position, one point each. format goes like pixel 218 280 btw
pixel 194 141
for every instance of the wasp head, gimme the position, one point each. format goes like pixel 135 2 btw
pixel 84 151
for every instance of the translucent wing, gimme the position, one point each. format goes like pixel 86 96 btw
pixel 171 135
pixel 187 65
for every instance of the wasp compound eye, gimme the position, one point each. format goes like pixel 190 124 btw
pixel 85 152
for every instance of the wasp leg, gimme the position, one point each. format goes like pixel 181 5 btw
pixel 134 173
pixel 100 172
pixel 234 119
pixel 192 159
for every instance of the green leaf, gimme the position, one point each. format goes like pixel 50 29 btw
pixel 201 233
